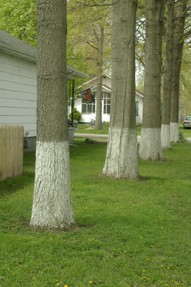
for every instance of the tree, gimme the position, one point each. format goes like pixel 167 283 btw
pixel 150 143
pixel 52 198
pixel 180 14
pixel 122 153
pixel 185 84
pixel 90 30
pixel 19 19
pixel 99 64
pixel 167 81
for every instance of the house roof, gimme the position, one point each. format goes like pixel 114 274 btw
pixel 15 47
pixel 94 79
pixel 105 88
pixel 139 94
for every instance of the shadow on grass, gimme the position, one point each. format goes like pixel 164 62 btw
pixel 14 184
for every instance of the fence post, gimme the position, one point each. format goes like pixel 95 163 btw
pixel 11 151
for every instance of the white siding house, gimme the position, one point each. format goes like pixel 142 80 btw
pixel 88 110
pixel 18 84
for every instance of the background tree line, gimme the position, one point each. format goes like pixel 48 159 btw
pixel 89 37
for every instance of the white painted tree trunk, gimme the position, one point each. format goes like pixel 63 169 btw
pixel 174 132
pixel 150 144
pixel 179 24
pixel 52 207
pixel 52 200
pixel 167 78
pixel 165 136
pixel 122 160
pixel 122 154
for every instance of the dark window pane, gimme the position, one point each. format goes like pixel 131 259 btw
pixel 137 108
pixel 84 108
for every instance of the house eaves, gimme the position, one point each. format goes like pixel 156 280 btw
pixel 73 73
pixel 139 94
pixel 104 89
pixel 19 54
pixel 93 79
pixel 12 46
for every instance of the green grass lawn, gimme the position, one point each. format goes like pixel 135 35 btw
pixel 128 234
pixel 186 132
pixel 85 128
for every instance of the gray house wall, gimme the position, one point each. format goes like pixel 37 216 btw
pixel 18 85
pixel 18 93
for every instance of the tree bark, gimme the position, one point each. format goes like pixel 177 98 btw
pixel 180 10
pixel 150 143
pixel 122 152
pixel 52 198
pixel 167 82
pixel 98 122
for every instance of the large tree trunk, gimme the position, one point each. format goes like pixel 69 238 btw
pixel 98 121
pixel 122 153
pixel 167 86
pixel 100 40
pixel 180 10
pixel 150 143
pixel 52 200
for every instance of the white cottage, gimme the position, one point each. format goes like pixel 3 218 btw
pixel 18 84
pixel 88 109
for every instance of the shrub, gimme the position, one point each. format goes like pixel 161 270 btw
pixel 181 137
pixel 76 115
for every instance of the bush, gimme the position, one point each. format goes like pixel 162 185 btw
pixel 181 137
pixel 76 115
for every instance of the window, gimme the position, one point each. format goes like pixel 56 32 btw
pixel 88 108
pixel 137 108
pixel 106 103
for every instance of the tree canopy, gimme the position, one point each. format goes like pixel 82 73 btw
pixel 19 19
pixel 89 22
pixel 85 20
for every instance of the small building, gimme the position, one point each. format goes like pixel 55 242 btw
pixel 88 110
pixel 18 84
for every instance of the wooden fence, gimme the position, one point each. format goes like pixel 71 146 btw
pixel 11 151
